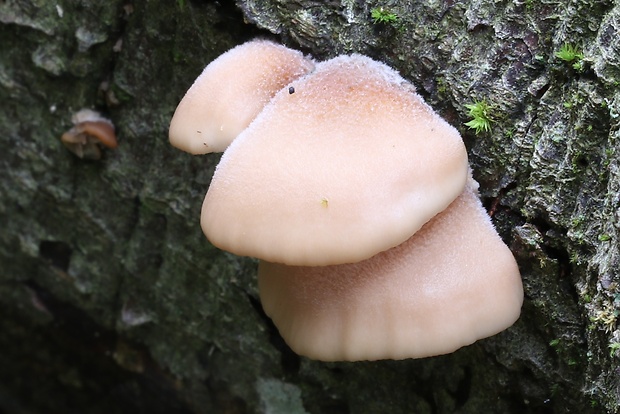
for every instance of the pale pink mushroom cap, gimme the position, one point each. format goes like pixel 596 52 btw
pixel 452 283
pixel 230 92
pixel 350 164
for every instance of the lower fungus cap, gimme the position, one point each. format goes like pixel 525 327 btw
pixel 352 163
pixel 230 92
pixel 452 283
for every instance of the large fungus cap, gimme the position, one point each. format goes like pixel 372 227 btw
pixel 452 283
pixel 230 92
pixel 347 163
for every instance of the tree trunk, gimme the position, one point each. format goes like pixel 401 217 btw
pixel 112 300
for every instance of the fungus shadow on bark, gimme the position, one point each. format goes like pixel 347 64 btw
pixel 289 360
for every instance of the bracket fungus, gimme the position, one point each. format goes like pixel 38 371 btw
pixel 90 131
pixel 359 201
pixel 230 92
pixel 349 165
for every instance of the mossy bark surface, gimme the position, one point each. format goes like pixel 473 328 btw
pixel 112 300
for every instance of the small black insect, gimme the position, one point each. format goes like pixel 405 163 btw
pixel 291 90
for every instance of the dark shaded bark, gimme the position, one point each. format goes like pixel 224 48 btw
pixel 111 300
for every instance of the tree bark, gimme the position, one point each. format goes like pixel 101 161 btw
pixel 111 299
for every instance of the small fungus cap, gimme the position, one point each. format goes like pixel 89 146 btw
pixel 230 92
pixel 89 130
pixel 350 164
pixel 452 283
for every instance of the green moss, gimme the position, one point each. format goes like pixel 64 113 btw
pixel 572 55
pixel 380 15
pixel 480 112
pixel 613 349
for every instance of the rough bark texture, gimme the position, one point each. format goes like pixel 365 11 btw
pixel 112 301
